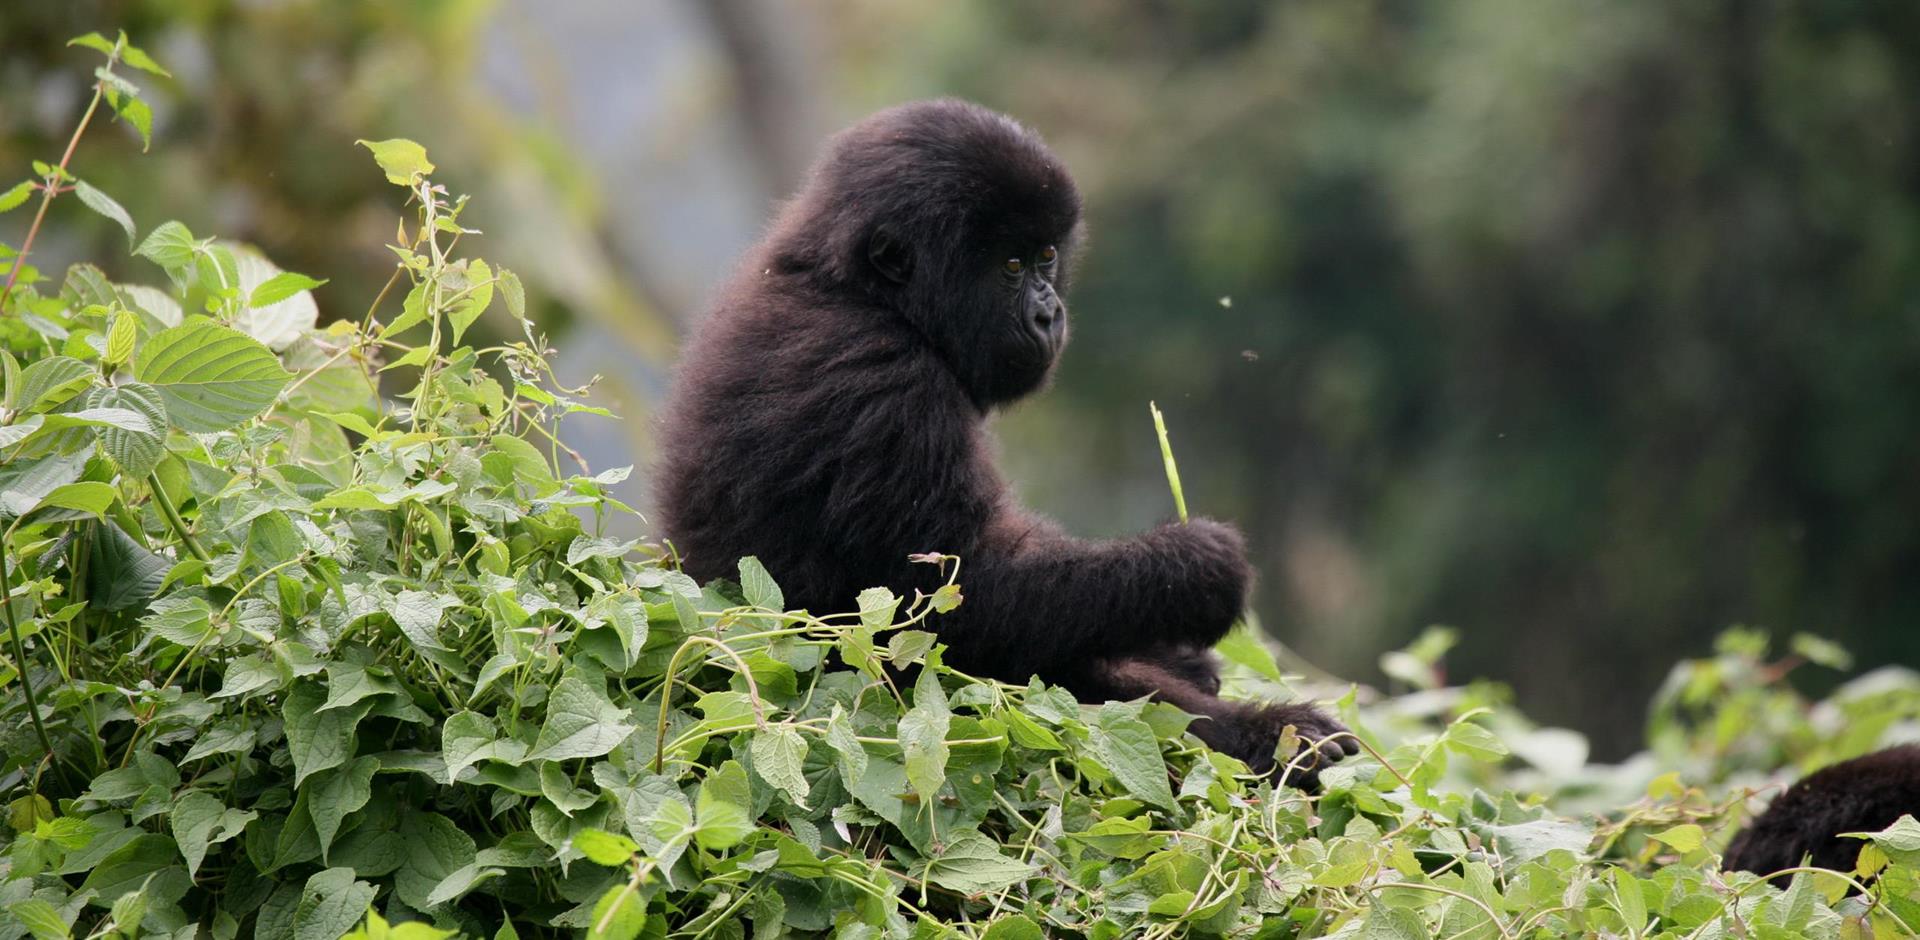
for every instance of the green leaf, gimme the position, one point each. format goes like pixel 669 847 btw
pixel 779 754
pixel 877 606
pixel 1524 842
pixel 170 246
pixel 418 615
pixel 460 881
pixel 1900 841
pixel 479 281
pixel 28 427
pixel 28 811
pixel 9 379
pixel 605 848
pixel 851 755
pixel 181 619
pixel 12 198
pixel 121 573
pixel 246 674
pixel 558 789
pixel 51 382
pixel 402 160
pixel 724 808
pixel 281 286
pixel 1123 838
pixel 529 466
pixel 120 336
pixel 94 41
pixel 318 739
pixel 620 914
pixel 212 378
pixel 1029 733
pixel 42 920
pixel 229 737
pixel 156 308
pixel 511 289
pixel 135 56
pixel 272 539
pixel 335 794
pixel 972 864
pixel 331 903
pixel 136 113
pixel 277 324
pixel 667 823
pixel 923 736
pixel 127 868
pixel 74 501
pixel 580 723
pixel 137 452
pixel 24 482
pixel 1128 748
pixel 1627 900
pixel 436 847
pixel 759 587
pixel 1392 923
pixel 102 203
pixel 1465 737
pixel 1014 927
pixel 946 598
pixel 200 820
pixel 1245 646
pixel 468 738
pixel 1683 838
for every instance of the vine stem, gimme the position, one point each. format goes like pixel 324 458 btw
pixel 20 657
pixel 50 188
pixel 666 692
pixel 179 525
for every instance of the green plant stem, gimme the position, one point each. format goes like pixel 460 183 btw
pixel 1166 457
pixel 20 658
pixel 435 305
pixel 177 524
pixel 666 692
pixel 51 188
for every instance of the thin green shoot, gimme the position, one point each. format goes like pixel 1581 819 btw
pixel 1166 456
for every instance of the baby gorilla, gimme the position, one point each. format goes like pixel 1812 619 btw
pixel 830 417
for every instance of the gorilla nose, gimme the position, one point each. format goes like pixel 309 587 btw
pixel 1045 314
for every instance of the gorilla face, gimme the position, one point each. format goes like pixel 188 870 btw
pixel 955 218
pixel 996 312
pixel 1032 320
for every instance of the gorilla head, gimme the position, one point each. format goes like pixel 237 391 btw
pixel 958 219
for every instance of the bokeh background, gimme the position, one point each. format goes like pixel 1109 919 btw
pixel 1586 328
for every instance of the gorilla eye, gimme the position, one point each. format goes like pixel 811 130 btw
pixel 1048 255
pixel 1014 266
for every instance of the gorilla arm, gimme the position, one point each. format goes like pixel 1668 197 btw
pixel 1045 602
pixel 1037 600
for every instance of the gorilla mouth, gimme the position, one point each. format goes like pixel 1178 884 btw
pixel 1039 343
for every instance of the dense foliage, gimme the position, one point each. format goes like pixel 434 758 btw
pixel 283 651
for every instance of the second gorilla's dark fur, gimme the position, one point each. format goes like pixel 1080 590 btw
pixel 1866 794
pixel 830 417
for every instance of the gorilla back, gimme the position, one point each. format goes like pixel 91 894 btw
pixel 1865 794
pixel 829 416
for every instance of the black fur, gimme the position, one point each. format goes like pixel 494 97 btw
pixel 830 417
pixel 1866 794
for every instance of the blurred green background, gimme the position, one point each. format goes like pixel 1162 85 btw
pixel 1586 328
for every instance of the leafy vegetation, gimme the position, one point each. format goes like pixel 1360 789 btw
pixel 287 657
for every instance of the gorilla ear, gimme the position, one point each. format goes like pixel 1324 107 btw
pixel 889 255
